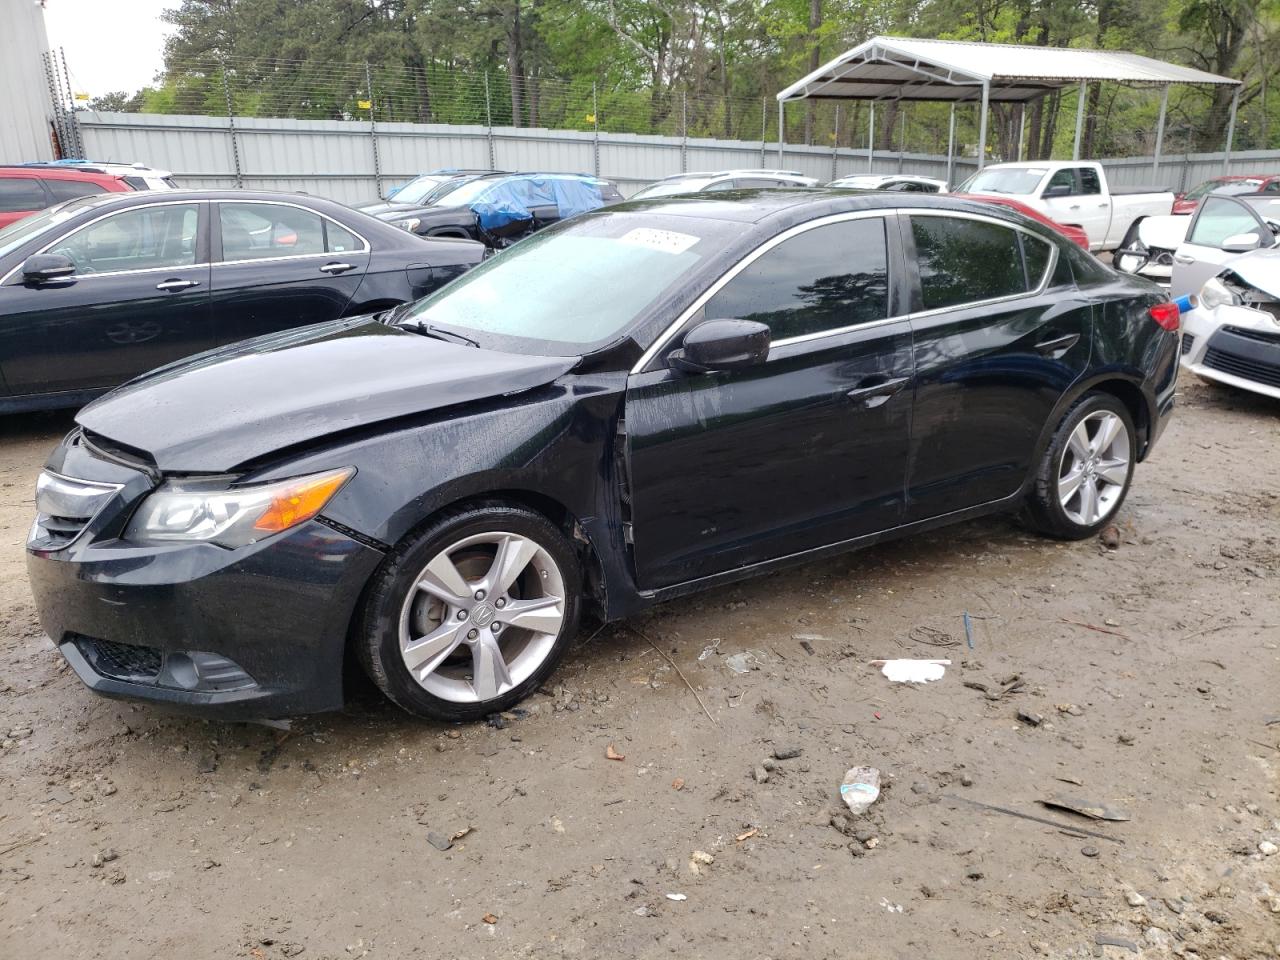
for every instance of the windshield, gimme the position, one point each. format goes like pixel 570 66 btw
pixel 672 187
pixel 582 284
pixel 20 231
pixel 416 189
pixel 443 189
pixel 465 193
pixel 1018 181
pixel 1235 187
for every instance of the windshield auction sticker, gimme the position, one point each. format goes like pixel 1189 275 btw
pixel 666 241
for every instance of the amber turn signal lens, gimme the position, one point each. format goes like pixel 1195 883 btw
pixel 301 501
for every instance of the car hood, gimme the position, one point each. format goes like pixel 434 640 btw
pixel 432 214
pixel 226 408
pixel 1259 269
pixel 1163 232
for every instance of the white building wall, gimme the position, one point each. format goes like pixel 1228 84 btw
pixel 26 111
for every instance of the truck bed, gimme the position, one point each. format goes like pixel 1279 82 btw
pixel 1130 191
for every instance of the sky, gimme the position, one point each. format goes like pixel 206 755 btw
pixel 109 45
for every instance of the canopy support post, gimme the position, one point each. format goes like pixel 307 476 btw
pixel 782 131
pixel 951 146
pixel 1075 149
pixel 982 124
pixel 1022 128
pixel 871 137
pixel 1164 108
pixel 1231 132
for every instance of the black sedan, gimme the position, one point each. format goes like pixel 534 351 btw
pixel 498 209
pixel 772 377
pixel 99 289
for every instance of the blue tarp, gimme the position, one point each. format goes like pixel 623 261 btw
pixel 509 201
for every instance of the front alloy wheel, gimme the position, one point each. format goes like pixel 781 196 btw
pixel 471 615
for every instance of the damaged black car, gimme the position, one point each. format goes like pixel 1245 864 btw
pixel 646 401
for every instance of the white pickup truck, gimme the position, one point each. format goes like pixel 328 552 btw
pixel 1072 192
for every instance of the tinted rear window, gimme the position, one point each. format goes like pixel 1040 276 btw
pixel 70 189
pixel 966 261
pixel 18 194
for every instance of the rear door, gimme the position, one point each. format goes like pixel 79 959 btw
pixel 1201 256
pixel 1000 334
pixel 279 265
pixel 21 194
pixel 139 299
pixel 732 468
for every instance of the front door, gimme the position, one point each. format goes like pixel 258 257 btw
pixel 1001 335
pixel 279 265
pixel 139 299
pixel 1201 255
pixel 808 448
pixel 1084 204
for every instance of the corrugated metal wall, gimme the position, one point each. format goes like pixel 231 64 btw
pixel 25 113
pixel 335 158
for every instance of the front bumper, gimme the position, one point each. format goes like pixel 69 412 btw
pixel 255 632
pixel 1235 345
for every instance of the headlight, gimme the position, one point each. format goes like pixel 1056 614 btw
pixel 411 224
pixel 1216 294
pixel 210 511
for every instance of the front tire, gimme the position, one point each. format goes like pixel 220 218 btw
pixel 472 613
pixel 1085 472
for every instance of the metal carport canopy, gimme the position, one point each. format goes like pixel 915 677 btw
pixel 903 68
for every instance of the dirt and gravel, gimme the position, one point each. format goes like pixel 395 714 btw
pixel 1153 669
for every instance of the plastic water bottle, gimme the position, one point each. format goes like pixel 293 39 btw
pixel 860 789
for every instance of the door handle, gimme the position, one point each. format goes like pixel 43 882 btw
pixel 1057 346
pixel 1183 258
pixel 177 284
pixel 336 268
pixel 879 392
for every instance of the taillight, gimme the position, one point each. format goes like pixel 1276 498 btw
pixel 1165 314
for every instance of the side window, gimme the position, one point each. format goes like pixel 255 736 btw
pixel 823 279
pixel 964 261
pixel 70 189
pixel 1271 186
pixel 139 239
pixel 19 194
pixel 1220 218
pixel 1089 181
pixel 255 231
pixel 751 182
pixel 339 239
pixel 1066 177
pixel 720 185
pixel 1035 253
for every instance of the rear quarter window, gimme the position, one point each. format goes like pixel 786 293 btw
pixel 20 194
pixel 70 189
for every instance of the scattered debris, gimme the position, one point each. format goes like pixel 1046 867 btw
pixel 1090 851
pixel 1086 808
pixel 1090 626
pixel 104 856
pixel 1134 899
pixel 860 789
pixel 807 647
pixel 1107 940
pixel 709 650
pixel 612 754
pixel 680 673
pixel 1030 718
pixel 760 774
pixel 1110 537
pixel 787 753
pixel 912 671
pixel 439 840
pixel 1267 848
pixel 1126 738
pixel 968 630
pixel 746 834
pixel 489 918
pixel 743 662
pixel 677 897
pixel 677 783
pixel 1065 827
pixel 932 637
pixel 60 795
pixel 1070 708
pixel 997 690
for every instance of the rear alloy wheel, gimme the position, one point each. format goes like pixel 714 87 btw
pixel 473 615
pixel 1086 470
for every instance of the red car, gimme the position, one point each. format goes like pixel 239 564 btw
pixel 27 190
pixel 1232 185
pixel 1074 234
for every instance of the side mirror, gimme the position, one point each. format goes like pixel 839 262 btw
pixel 1057 190
pixel 1241 243
pixel 47 267
pixel 722 345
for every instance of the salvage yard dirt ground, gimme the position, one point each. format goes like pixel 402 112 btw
pixel 129 832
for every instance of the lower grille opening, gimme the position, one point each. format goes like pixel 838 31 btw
pixel 177 670
pixel 1241 367
pixel 1188 341
pixel 121 661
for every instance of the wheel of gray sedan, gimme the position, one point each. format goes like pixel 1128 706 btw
pixel 472 614
pixel 1085 472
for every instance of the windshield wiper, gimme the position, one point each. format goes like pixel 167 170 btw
pixel 427 330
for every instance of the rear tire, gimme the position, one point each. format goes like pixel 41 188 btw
pixel 472 613
pixel 1085 472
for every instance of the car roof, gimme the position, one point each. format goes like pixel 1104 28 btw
pixel 796 203
pixel 57 173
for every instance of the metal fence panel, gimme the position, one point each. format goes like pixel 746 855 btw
pixel 336 158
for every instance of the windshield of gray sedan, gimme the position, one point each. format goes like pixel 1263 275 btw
pixel 582 284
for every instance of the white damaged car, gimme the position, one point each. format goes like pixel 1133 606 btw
pixel 1232 335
